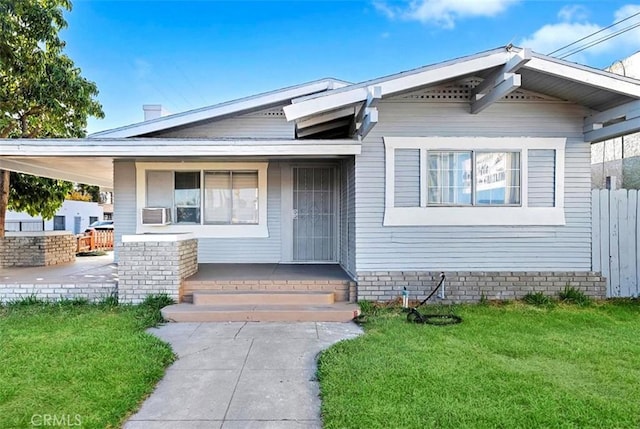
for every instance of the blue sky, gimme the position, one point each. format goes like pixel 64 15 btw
pixel 189 54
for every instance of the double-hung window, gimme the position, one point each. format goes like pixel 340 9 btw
pixel 473 178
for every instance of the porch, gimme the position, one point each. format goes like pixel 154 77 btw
pixel 265 292
pixel 93 278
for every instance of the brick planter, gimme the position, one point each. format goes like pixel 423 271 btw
pixel 151 264
pixel 37 249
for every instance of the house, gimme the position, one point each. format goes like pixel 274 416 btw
pixel 478 167
pixel 74 216
pixel 618 158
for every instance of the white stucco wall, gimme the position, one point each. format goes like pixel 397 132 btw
pixel 70 210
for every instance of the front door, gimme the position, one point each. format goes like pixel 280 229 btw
pixel 314 214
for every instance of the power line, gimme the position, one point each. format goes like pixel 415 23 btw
pixel 593 34
pixel 601 40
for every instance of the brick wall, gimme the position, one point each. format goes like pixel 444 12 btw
pixel 92 292
pixel 151 265
pixel 37 249
pixel 471 286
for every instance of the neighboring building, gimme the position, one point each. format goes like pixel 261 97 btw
pixel 619 157
pixel 478 166
pixel 74 216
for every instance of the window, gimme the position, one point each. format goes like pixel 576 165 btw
pixel 474 181
pixel 59 223
pixel 93 219
pixel 207 199
pixel 187 196
pixel 473 178
pixel 231 197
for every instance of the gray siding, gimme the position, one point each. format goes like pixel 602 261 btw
pixel 348 217
pixel 462 248
pixel 124 201
pixel 542 170
pixel 266 124
pixel 250 250
pixel 407 180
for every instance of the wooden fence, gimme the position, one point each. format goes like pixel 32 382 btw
pixel 95 240
pixel 615 240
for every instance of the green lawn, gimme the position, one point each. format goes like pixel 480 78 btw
pixel 505 366
pixel 76 364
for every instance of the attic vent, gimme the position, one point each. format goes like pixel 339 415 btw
pixel 156 216
pixel 268 113
pixel 462 90
pixel 457 91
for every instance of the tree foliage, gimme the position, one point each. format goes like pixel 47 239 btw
pixel 89 192
pixel 37 196
pixel 42 92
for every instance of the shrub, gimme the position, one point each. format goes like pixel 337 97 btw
pixel 573 296
pixel 149 314
pixel 538 299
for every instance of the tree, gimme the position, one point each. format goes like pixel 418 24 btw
pixel 92 193
pixel 42 93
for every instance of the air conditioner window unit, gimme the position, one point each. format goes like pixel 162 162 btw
pixel 156 216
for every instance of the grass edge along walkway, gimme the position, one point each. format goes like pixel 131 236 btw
pixel 71 363
pixel 508 365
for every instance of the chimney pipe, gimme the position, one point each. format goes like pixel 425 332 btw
pixel 152 111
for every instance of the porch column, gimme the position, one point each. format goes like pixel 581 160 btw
pixel 152 264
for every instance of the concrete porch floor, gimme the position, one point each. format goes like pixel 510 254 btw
pixel 86 269
pixel 269 272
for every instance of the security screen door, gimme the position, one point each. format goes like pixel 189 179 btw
pixel 314 214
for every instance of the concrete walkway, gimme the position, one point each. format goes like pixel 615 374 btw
pixel 240 375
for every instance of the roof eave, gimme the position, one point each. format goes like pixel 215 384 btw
pixel 247 104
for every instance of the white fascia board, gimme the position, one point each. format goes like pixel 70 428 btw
pixel 223 109
pixel 576 73
pixel 317 105
pixel 506 87
pixel 175 147
pixel 393 85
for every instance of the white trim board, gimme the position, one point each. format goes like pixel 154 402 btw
pixel 204 231
pixel 175 147
pixel 473 215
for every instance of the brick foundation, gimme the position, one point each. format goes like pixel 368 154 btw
pixel 154 264
pixel 472 286
pixel 29 249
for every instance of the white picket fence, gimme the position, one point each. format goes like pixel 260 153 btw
pixel 615 241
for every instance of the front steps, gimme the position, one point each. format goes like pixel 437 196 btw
pixel 338 312
pixel 262 298
pixel 263 301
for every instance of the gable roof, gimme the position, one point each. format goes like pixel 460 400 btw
pixel 612 97
pixel 218 111
pixel 332 108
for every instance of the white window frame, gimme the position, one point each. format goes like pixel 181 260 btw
pixel 426 215
pixel 202 230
